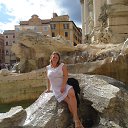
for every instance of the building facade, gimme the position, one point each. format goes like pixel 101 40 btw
pixel 112 13
pixel 1 49
pixel 9 39
pixel 61 25
pixel 58 25
pixel 35 24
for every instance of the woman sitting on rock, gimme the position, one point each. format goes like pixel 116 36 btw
pixel 57 79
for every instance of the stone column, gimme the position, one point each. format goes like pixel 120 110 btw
pixel 82 19
pixel 86 16
pixel 97 4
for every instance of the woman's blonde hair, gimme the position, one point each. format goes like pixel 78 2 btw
pixel 58 54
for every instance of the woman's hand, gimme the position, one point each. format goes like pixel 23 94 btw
pixel 62 89
pixel 47 91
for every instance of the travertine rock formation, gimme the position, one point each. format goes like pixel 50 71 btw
pixel 103 105
pixel 108 59
pixel 104 59
pixel 15 117
pixel 34 49
pixel 104 100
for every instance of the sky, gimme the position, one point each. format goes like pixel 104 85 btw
pixel 14 11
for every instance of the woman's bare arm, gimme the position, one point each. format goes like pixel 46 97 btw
pixel 48 86
pixel 65 78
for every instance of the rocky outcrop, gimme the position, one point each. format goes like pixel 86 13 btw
pixel 103 59
pixel 47 113
pixel 33 49
pixel 103 104
pixel 107 96
pixel 15 117
pixel 113 67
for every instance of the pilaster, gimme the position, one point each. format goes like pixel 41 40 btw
pixel 86 16
pixel 97 4
pixel 118 19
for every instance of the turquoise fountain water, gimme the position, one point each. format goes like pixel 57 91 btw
pixel 6 107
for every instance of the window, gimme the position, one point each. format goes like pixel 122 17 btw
pixel 6 44
pixel 13 36
pixel 35 29
pixel 66 26
pixel 7 52
pixel 6 36
pixel 53 26
pixel 45 28
pixel 53 34
pixel 66 34
pixel 17 29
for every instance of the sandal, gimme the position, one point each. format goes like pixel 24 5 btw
pixel 78 124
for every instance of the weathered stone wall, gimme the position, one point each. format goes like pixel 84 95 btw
pixel 26 86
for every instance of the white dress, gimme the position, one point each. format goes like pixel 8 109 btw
pixel 55 76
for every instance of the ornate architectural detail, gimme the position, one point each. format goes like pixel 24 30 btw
pixel 112 14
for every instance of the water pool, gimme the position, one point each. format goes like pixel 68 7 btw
pixel 6 107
